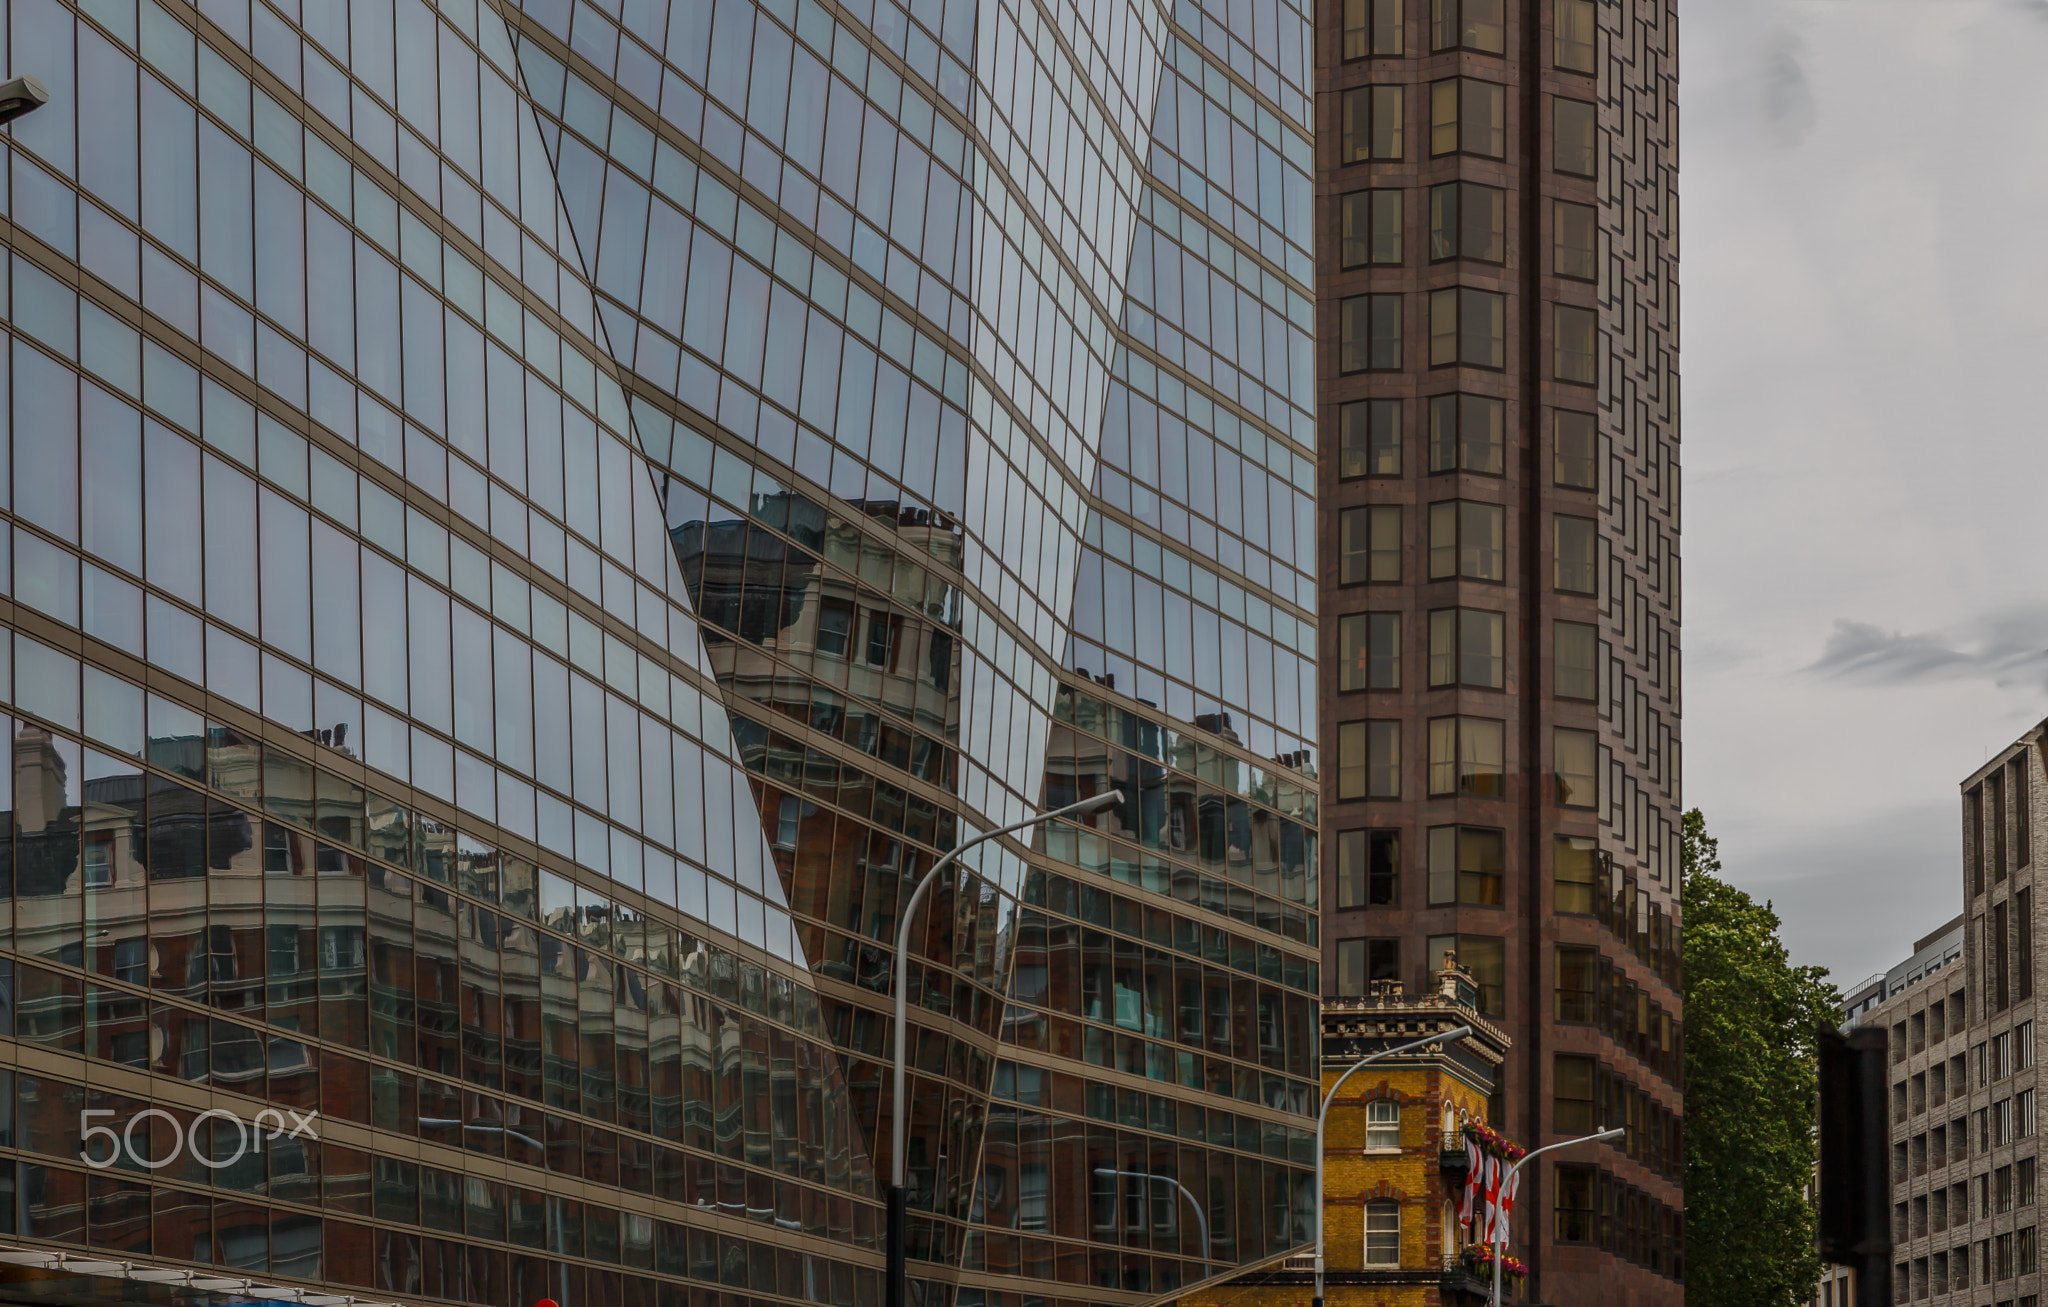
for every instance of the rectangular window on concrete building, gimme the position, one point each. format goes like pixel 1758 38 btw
pixel 2000 864
pixel 1575 661
pixel 1369 544
pixel 1574 1207
pixel 1382 960
pixel 1575 452
pixel 1369 760
pixel 1973 836
pixel 1467 327
pixel 1467 433
pixel 1576 755
pixel 1351 869
pixel 1468 25
pixel 1575 857
pixel 1485 957
pixel 1350 968
pixel 1468 540
pixel 1578 555
pixel 1574 49
pixel 1368 868
pixel 1467 646
pixel 1578 988
pixel 1468 221
pixel 1383 869
pixel 1575 144
pixel 1369 334
pixel 2023 952
pixel 1467 864
pixel 1369 439
pixel 1371 124
pixel 1571 1106
pixel 1467 756
pixel 1995 959
pixel 1373 28
pixel 1369 647
pixel 1578 344
pixel 1361 962
pixel 1575 241
pixel 2022 811
pixel 1370 228
pixel 1468 116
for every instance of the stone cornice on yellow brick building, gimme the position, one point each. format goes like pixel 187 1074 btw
pixel 1410 1185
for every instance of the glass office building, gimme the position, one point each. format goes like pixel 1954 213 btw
pixel 528 528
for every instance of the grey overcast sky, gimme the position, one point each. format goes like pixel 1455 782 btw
pixel 1864 188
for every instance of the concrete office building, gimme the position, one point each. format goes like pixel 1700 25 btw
pixel 1498 387
pixel 1935 1015
pixel 527 526
pixel 1964 1118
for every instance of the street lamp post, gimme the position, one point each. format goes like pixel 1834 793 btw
pixel 1500 1245
pixel 20 95
pixel 1322 1118
pixel 1201 1217
pixel 898 1145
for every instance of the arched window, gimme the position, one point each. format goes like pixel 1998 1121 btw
pixel 1382 1123
pixel 1383 1233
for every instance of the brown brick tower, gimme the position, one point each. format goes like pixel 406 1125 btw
pixel 1497 287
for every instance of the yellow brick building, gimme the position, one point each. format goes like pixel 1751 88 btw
pixel 1393 1157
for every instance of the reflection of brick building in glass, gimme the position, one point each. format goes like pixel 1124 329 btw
pixel 526 525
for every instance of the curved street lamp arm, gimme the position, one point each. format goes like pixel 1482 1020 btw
pixel 1201 1217
pixel 894 1281
pixel 1500 1248
pixel 899 1159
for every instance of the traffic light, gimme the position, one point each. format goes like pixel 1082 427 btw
pixel 1855 1167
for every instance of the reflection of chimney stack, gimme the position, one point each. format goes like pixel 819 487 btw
pixel 39 779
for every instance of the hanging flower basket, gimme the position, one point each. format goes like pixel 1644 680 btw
pixel 1492 1141
pixel 1478 1260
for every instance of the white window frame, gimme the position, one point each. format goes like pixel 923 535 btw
pixel 1383 1125
pixel 1383 1233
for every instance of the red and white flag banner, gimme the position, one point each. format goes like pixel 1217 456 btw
pixel 1509 1189
pixel 1475 1167
pixel 1494 1172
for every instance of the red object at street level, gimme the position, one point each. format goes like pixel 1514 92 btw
pixel 547 1302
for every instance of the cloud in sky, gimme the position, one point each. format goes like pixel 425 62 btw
pixel 1863 184
pixel 1787 95
pixel 2010 649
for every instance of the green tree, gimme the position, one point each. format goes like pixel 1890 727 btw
pixel 1750 1088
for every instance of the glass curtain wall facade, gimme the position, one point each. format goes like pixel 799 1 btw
pixel 529 527
pixel 1497 285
